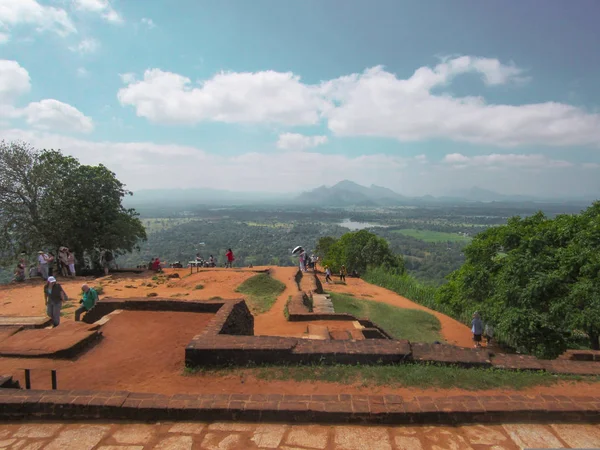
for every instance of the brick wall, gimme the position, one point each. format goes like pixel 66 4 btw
pixel 17 404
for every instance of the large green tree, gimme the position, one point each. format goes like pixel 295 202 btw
pixel 48 200
pixel 359 250
pixel 536 279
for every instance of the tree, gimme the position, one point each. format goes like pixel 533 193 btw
pixel 536 279
pixel 48 200
pixel 323 246
pixel 359 250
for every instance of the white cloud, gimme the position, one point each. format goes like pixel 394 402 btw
pixel 14 81
pixel 4 38
pixel 243 97
pixel 372 103
pixel 102 7
pixel 376 103
pixel 86 46
pixel 54 115
pixel 82 72
pixel 45 114
pixel 15 13
pixel 532 161
pixel 295 141
pixel 148 165
pixel 148 22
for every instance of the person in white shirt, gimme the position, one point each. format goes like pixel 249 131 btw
pixel 43 261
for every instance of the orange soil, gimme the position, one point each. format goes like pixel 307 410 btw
pixel 453 331
pixel 144 351
pixel 27 299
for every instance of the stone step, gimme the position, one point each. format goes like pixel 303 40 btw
pixel 320 332
pixel 24 321
pixel 322 304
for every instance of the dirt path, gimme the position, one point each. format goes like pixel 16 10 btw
pixel 453 331
pixel 273 322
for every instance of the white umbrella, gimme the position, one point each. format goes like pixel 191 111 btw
pixel 296 250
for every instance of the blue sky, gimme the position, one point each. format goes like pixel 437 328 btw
pixel 422 97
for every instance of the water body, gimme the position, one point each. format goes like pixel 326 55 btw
pixel 355 226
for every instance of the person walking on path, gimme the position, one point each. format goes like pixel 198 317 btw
pixel 230 258
pixel 43 261
pixel 327 275
pixel 477 329
pixel 54 295
pixel 88 300
pixel 343 273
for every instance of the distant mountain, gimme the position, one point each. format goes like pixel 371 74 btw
pixel 348 193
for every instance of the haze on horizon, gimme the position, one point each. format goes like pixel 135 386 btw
pixel 283 97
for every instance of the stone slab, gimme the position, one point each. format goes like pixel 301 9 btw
pixel 25 321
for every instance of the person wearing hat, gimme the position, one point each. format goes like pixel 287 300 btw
pixel 54 295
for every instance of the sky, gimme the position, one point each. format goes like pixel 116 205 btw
pixel 423 97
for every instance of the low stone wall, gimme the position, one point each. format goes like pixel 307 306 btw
pixel 108 305
pixel 17 404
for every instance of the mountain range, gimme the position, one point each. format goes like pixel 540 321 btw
pixel 344 193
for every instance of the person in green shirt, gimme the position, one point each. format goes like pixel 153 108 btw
pixel 88 300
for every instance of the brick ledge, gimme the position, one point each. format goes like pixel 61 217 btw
pixel 343 408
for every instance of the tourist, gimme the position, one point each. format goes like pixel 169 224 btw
pixel 33 271
pixel 71 262
pixel 230 258
pixel 327 274
pixel 88 300
pixel 477 329
pixel 54 295
pixel 343 273
pixel 211 261
pixel 51 264
pixel 106 261
pixel 43 261
pixel 488 332
pixel 156 267
pixel 63 265
pixel 20 271
pixel 302 260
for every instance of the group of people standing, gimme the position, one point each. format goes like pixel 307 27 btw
pixel 307 262
pixel 46 265
pixel 479 330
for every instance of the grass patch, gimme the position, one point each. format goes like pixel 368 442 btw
pixel 199 286
pixel 410 288
pixel 261 292
pixel 400 375
pixel 411 324
pixel 433 236
pixel 286 311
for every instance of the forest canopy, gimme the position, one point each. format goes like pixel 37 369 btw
pixel 537 280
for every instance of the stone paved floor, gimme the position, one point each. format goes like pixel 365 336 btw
pixel 229 436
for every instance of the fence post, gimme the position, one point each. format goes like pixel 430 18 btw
pixel 27 379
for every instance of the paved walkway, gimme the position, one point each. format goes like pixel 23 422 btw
pixel 242 436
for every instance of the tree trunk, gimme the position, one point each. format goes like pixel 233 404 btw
pixel 594 340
